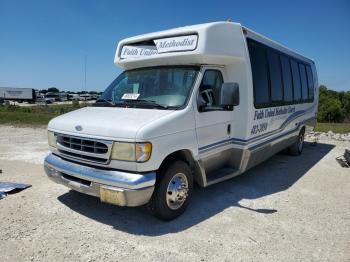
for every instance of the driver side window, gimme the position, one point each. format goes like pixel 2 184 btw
pixel 210 87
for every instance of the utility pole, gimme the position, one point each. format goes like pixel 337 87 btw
pixel 85 61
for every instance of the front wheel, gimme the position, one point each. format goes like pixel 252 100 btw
pixel 173 190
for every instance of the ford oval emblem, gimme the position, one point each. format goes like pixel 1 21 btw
pixel 78 128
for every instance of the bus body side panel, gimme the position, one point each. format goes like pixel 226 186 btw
pixel 272 129
pixel 278 126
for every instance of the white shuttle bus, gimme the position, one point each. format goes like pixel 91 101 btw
pixel 197 104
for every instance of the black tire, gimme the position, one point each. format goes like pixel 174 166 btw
pixel 297 148
pixel 159 203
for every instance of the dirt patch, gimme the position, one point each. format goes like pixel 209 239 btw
pixel 288 208
pixel 23 144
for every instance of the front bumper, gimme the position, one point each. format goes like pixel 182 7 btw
pixel 111 186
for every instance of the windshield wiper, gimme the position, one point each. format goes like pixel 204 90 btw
pixel 145 102
pixel 103 102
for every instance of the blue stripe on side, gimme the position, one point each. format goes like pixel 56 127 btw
pixel 237 141
pixel 283 125
pixel 275 138
pixel 282 135
pixel 219 144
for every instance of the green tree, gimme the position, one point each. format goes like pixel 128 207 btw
pixel 53 90
pixel 330 108
pixel 345 100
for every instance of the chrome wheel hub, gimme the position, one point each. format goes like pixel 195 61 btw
pixel 177 191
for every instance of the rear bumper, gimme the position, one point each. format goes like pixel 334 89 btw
pixel 111 186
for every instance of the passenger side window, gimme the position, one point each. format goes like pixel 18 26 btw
pixel 287 80
pixel 210 87
pixel 304 91
pixel 296 81
pixel 260 77
pixel 275 77
pixel 278 78
pixel 310 82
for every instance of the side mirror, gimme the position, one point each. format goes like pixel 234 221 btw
pixel 229 94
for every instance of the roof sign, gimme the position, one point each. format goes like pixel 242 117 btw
pixel 164 45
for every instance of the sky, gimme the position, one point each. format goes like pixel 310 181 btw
pixel 44 43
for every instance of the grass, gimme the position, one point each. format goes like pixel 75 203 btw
pixel 33 115
pixel 334 127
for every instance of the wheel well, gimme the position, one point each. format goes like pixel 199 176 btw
pixel 183 155
pixel 186 156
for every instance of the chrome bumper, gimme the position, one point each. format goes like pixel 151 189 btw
pixel 111 186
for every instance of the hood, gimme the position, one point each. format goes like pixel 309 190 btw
pixel 106 122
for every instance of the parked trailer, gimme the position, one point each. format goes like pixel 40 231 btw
pixel 17 94
pixel 85 97
pixel 198 104
pixel 73 97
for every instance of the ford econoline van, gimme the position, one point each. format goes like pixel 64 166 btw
pixel 194 105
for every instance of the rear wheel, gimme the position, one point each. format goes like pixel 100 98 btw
pixel 297 148
pixel 172 192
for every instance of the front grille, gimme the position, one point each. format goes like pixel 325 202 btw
pixel 84 145
pixel 83 149
pixel 84 157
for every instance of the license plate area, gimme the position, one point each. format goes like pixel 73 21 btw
pixel 112 195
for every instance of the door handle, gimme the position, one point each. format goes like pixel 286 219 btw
pixel 229 129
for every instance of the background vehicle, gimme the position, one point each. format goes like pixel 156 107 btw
pixel 62 97
pixel 85 97
pixel 199 104
pixel 73 97
pixel 17 94
pixel 40 98
pixel 51 97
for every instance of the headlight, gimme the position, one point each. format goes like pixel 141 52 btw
pixel 51 138
pixel 139 152
pixel 123 151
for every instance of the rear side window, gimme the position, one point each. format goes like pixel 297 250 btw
pixel 296 81
pixel 310 83
pixel 287 80
pixel 275 77
pixel 279 78
pixel 260 77
pixel 304 91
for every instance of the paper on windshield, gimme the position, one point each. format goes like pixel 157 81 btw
pixel 130 96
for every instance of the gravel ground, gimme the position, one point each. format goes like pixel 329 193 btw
pixel 286 209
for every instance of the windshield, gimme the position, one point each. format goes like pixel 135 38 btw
pixel 165 87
